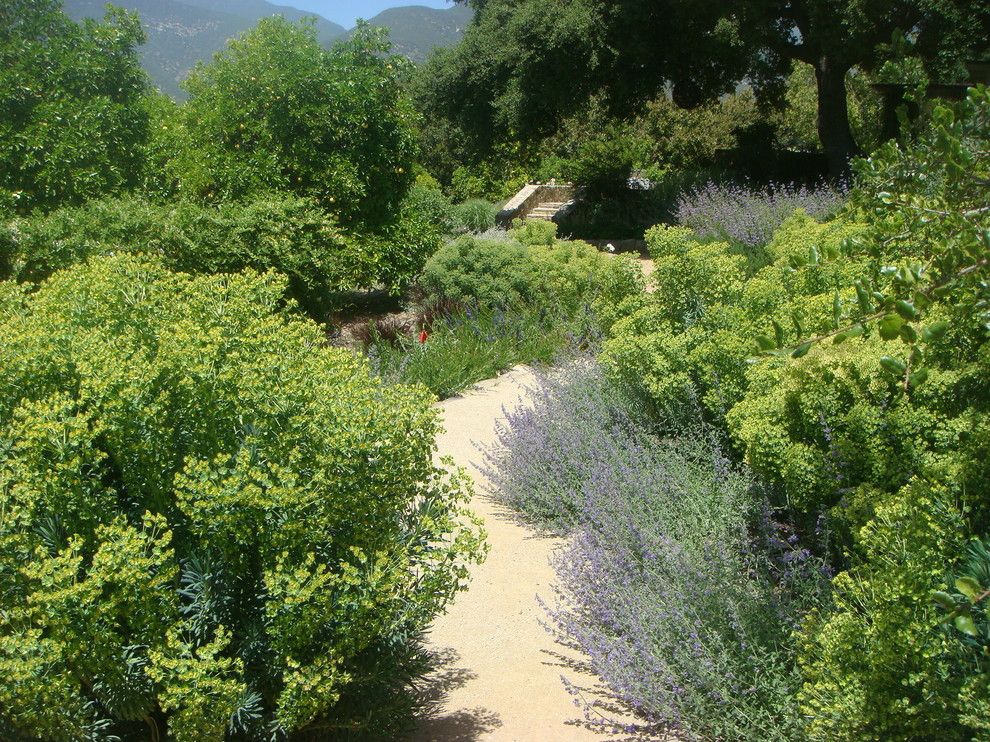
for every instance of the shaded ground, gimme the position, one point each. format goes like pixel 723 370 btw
pixel 498 674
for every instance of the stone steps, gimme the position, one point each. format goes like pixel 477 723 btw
pixel 547 210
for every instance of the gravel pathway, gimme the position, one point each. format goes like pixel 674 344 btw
pixel 499 671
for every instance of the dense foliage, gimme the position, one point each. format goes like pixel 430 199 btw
pixel 867 418
pixel 284 233
pixel 525 65
pixel 213 522
pixel 72 121
pixel 505 273
pixel 287 156
pixel 277 111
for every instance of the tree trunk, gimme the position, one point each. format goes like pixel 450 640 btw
pixel 833 117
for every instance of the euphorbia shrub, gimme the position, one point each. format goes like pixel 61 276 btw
pixel 211 523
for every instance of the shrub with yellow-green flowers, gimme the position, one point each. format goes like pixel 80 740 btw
pixel 212 525
pixel 849 364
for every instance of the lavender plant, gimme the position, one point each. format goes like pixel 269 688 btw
pixel 751 215
pixel 677 583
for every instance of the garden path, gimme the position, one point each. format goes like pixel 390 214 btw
pixel 498 674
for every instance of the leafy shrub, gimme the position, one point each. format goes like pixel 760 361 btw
pixel 433 206
pixel 214 521
pixel 685 350
pixel 682 139
pixel 826 425
pixel 483 272
pixel 602 165
pixel 866 415
pixel 71 104
pixel 665 586
pixel 474 216
pixel 506 274
pixel 282 232
pixel 750 216
pixel 876 665
pixel 533 232
pixel 495 178
pixel 277 111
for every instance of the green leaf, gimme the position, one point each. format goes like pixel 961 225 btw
pixel 798 325
pixel 918 378
pixel 765 343
pixel 906 309
pixel 905 276
pixel 909 334
pixel 944 599
pixel 964 622
pixel 890 326
pixel 801 350
pixel 968 587
pixel 840 338
pixel 934 332
pixel 836 309
pixel 778 332
pixel 863 298
pixel 893 365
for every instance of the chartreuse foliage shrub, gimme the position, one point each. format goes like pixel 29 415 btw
pixel 214 526
pixel 72 119
pixel 876 665
pixel 852 371
pixel 291 235
pixel 504 274
pixel 685 350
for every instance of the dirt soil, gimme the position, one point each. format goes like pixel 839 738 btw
pixel 499 670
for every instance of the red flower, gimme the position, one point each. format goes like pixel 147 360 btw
pixel 423 335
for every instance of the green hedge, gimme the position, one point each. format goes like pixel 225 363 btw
pixel 211 520
pixel 291 235
pixel 502 274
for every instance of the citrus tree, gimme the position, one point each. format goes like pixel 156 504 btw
pixel 72 120
pixel 277 111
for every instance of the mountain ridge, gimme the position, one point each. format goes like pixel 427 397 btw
pixel 184 32
pixel 415 30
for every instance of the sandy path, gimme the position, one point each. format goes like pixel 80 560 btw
pixel 500 671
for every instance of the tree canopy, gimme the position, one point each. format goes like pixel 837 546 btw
pixel 277 111
pixel 71 119
pixel 525 64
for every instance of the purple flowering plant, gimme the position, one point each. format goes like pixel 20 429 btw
pixel 750 215
pixel 678 582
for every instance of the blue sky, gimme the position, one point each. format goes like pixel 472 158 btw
pixel 345 12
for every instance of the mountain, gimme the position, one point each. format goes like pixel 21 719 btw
pixel 255 10
pixel 183 33
pixel 416 30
